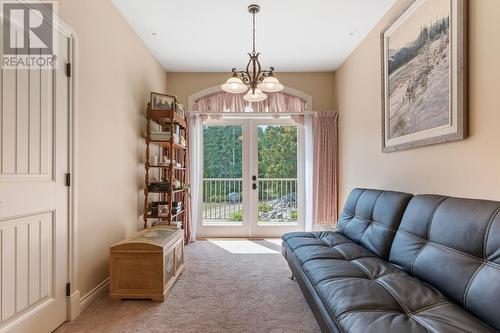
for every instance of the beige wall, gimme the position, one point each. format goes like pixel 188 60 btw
pixel 469 168
pixel 116 73
pixel 318 85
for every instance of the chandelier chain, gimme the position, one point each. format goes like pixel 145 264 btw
pixel 253 14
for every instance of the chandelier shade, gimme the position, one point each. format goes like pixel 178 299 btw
pixel 253 77
pixel 270 84
pixel 234 85
pixel 255 96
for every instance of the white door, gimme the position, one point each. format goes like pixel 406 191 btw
pixel 34 150
pixel 277 177
pixel 253 174
pixel 224 202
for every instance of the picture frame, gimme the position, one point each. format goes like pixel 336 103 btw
pixel 424 75
pixel 163 210
pixel 161 102
pixel 179 109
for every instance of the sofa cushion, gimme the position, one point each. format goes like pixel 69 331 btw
pixel 371 218
pixel 454 245
pixel 323 245
pixel 364 293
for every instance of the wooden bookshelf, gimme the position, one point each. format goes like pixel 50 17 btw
pixel 173 150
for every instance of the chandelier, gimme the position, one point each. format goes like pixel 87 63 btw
pixel 253 78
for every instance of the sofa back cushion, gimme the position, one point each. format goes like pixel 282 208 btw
pixel 371 218
pixel 454 245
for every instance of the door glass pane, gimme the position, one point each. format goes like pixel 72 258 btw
pixel 222 175
pixel 277 191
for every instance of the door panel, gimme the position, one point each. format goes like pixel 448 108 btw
pixel 225 161
pixel 27 262
pixel 222 181
pixel 34 153
pixel 262 199
pixel 27 113
pixel 277 174
pixel 277 202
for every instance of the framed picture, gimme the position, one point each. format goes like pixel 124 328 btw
pixel 162 210
pixel 424 88
pixel 161 101
pixel 180 110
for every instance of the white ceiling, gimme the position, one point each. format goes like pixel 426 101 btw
pixel 214 36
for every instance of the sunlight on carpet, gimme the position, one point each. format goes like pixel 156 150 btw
pixel 269 246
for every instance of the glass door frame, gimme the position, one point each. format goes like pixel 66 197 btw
pixel 274 229
pixel 231 229
pixel 249 227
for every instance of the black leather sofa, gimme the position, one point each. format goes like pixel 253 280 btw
pixel 402 263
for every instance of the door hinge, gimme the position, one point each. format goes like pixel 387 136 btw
pixel 68 69
pixel 68 289
pixel 68 179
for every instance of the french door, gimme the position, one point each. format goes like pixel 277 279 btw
pixel 253 175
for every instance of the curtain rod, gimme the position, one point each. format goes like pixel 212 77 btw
pixel 256 114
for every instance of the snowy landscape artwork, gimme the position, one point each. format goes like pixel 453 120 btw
pixel 417 51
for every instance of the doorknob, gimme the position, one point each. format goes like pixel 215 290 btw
pixel 254 186
pixel 254 177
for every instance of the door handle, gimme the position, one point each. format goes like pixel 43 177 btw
pixel 254 186
pixel 254 177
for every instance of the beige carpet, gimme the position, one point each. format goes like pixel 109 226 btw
pixel 228 286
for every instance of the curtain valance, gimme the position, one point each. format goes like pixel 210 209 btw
pixel 227 102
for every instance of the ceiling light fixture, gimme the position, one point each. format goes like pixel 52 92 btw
pixel 259 81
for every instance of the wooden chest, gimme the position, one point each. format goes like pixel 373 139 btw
pixel 147 264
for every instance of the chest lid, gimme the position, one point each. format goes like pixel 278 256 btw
pixel 150 239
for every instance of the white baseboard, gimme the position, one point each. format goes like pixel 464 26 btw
pixel 73 310
pixel 76 304
pixel 92 295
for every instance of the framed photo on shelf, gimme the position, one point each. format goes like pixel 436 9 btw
pixel 179 109
pixel 160 102
pixel 424 83
pixel 162 210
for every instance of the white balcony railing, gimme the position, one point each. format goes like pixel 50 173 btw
pixel 223 199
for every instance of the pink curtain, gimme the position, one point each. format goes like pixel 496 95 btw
pixel 325 167
pixel 226 102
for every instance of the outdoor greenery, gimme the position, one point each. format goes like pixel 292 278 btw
pixel 277 162
pixel 222 150
pixel 236 216
pixel 265 207
pixel 277 151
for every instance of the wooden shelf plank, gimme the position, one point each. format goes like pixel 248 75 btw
pixel 166 144
pixel 155 216
pixel 164 118
pixel 166 191
pixel 166 167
